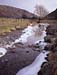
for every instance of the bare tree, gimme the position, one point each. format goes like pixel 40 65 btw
pixel 40 10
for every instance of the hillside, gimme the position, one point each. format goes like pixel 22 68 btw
pixel 52 15
pixel 12 12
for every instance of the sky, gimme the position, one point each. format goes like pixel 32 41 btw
pixel 29 5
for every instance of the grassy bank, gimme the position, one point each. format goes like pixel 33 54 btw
pixel 7 24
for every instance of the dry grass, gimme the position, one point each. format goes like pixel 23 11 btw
pixel 6 24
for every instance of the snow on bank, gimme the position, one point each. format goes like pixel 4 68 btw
pixel 34 68
pixel 3 51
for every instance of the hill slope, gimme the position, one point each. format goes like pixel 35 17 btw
pixel 52 15
pixel 12 12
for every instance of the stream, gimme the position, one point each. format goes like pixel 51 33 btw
pixel 34 68
pixel 33 34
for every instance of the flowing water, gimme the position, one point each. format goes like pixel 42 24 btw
pixel 31 35
pixel 34 68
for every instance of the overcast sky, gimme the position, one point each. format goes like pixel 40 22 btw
pixel 29 5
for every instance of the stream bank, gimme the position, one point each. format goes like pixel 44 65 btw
pixel 50 68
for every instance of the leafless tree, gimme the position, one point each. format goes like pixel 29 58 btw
pixel 40 10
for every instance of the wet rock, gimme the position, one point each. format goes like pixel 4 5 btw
pixel 48 47
pixel 34 46
pixel 36 49
pixel 46 58
pixel 50 30
pixel 17 27
pixel 43 64
pixel 47 54
pixel 47 39
pixel 13 29
pixel 19 45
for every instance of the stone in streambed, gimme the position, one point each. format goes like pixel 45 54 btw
pixel 47 39
pixel 49 47
pixel 3 51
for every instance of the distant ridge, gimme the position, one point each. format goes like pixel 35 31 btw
pixel 52 15
pixel 13 12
